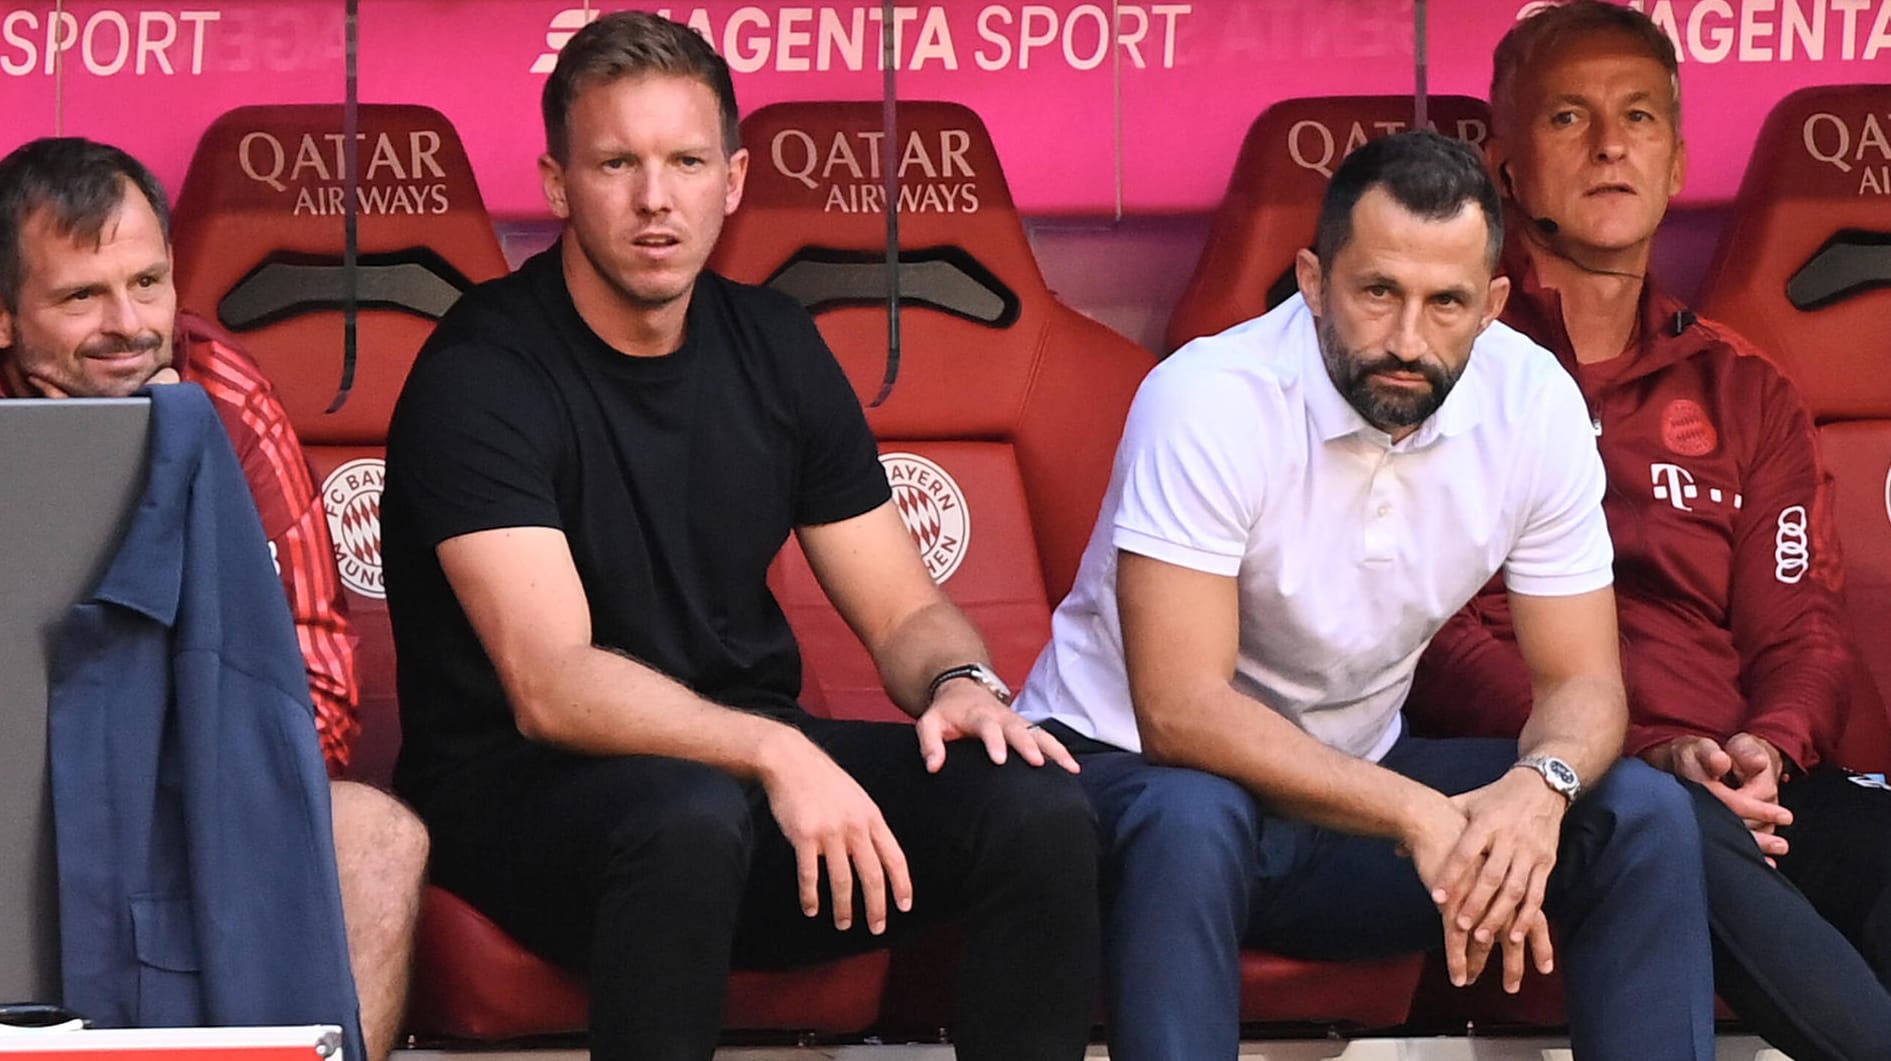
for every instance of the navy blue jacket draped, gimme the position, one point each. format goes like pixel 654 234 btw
pixel 191 808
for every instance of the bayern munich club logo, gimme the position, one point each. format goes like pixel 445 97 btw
pixel 932 505
pixel 352 497
pixel 1687 430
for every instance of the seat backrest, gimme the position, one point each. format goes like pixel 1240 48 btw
pixel 1004 408
pixel 1803 269
pixel 1273 199
pixel 260 235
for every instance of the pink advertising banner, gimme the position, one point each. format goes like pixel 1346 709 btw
pixel 1090 104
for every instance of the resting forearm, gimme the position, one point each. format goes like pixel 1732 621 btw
pixel 1581 721
pixel 930 640
pixel 596 702
pixel 1222 731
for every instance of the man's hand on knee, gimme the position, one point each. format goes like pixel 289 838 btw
pixel 964 709
pixel 1754 794
pixel 1432 841
pixel 1497 875
pixel 1744 775
pixel 829 818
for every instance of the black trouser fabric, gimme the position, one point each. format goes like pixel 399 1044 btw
pixel 655 875
pixel 1778 960
pixel 1841 856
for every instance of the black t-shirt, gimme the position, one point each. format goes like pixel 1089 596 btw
pixel 675 479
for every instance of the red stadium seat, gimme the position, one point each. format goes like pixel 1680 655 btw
pixel 1002 417
pixel 998 425
pixel 507 993
pixel 1273 199
pixel 259 239
pixel 1804 270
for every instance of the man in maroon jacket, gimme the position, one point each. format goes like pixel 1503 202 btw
pixel 1727 570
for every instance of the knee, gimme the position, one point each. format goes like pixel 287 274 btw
pixel 1722 831
pixel 699 827
pixel 379 842
pixel 1199 818
pixel 1038 814
pixel 1648 807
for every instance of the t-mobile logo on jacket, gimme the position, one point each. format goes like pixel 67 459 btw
pixel 1675 485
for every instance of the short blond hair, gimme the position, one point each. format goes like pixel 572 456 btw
pixel 1532 40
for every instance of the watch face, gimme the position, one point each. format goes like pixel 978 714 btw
pixel 1562 773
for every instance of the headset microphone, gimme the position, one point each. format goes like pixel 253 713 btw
pixel 1548 230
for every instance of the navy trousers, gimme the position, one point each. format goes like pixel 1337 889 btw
pixel 1195 867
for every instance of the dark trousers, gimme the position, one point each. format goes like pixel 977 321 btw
pixel 1841 856
pixel 1195 867
pixel 1784 963
pixel 655 875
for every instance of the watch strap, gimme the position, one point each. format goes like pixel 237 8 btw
pixel 977 672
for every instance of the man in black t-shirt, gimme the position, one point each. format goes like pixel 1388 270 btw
pixel 589 471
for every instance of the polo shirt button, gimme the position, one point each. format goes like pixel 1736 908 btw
pixel 1385 510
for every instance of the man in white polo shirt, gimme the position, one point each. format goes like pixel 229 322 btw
pixel 1296 508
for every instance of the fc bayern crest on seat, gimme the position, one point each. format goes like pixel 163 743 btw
pixel 351 495
pixel 933 507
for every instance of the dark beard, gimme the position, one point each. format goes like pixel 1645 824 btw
pixel 73 384
pixel 1384 408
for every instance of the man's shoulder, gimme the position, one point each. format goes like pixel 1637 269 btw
pixel 495 307
pixel 504 329
pixel 1263 355
pixel 1711 362
pixel 746 299
pixel 1513 367
pixel 214 359
pixel 1523 393
pixel 1514 352
pixel 1220 403
pixel 760 314
pixel 202 345
pixel 1740 353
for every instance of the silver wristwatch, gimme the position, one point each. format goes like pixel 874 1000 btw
pixel 1559 775
pixel 977 672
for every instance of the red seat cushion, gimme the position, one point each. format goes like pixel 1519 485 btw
pixel 261 194
pixel 1273 200
pixel 1815 193
pixel 482 985
pixel 1858 453
pixel 1366 994
pixel 1538 1004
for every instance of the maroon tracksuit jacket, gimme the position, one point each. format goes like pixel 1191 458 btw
pixel 1727 569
